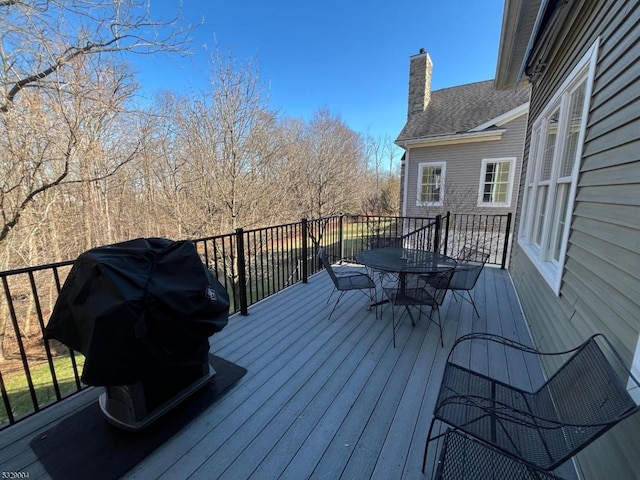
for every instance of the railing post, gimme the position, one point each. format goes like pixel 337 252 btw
pixel 341 235
pixel 305 251
pixel 436 237
pixel 506 242
pixel 242 273
pixel 446 233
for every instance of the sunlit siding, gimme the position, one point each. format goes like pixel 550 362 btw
pixel 463 168
pixel 600 289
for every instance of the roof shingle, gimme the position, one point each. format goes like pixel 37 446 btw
pixel 462 108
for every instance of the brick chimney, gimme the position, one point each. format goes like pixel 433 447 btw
pixel 420 67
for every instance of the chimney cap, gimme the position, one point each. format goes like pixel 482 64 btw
pixel 422 51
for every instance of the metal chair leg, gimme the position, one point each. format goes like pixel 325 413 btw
pixel 336 304
pixel 468 300
pixel 474 304
pixel 426 445
pixel 439 323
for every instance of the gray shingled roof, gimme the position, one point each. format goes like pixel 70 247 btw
pixel 459 109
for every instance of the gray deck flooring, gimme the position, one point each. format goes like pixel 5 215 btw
pixel 322 398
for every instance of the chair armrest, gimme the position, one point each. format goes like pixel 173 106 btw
pixel 525 348
pixel 497 339
pixel 350 273
pixel 504 411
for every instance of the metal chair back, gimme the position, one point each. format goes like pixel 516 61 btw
pixel 322 255
pixel 588 395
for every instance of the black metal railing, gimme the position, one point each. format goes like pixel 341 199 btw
pixel 489 232
pixel 250 264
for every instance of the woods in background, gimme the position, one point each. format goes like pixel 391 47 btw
pixel 83 163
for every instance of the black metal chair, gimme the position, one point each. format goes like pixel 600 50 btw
pixel 585 397
pixel 471 261
pixel 347 280
pixel 464 457
pixel 419 290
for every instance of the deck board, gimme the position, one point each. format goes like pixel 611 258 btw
pixel 323 398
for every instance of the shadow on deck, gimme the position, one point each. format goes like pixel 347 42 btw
pixel 322 398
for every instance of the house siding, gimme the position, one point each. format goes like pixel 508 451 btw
pixel 463 168
pixel 601 279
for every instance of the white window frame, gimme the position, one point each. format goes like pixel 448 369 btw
pixel 540 250
pixel 483 172
pixel 443 169
pixel 632 387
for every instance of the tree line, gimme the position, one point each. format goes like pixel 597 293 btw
pixel 85 163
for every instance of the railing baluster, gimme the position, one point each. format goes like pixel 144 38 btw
pixel 505 245
pixel 259 262
pixel 47 348
pixel 72 356
pixel 23 352
pixel 263 269
pixel 305 251
pixel 206 254
pixel 242 272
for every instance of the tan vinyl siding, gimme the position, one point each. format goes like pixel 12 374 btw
pixel 600 289
pixel 463 169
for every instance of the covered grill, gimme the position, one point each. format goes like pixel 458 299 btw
pixel 141 312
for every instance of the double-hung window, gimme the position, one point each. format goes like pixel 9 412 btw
pixel 431 184
pixel 496 182
pixel 555 150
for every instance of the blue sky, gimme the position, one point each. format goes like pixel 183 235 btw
pixel 351 56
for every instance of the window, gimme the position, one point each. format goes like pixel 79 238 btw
pixel 431 184
pixel 496 181
pixel 554 161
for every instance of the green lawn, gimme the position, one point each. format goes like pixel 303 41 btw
pixel 18 389
pixel 354 234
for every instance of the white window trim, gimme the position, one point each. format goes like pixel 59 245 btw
pixel 421 166
pixel 632 386
pixel 551 270
pixel 483 172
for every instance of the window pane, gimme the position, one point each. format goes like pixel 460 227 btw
pixel 500 193
pixel 490 172
pixel 503 172
pixel 562 200
pixel 550 146
pixel 576 105
pixel 496 182
pixel 540 213
pixel 431 184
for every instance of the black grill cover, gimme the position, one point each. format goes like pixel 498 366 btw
pixel 139 309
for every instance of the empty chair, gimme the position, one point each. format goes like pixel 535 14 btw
pixel 344 281
pixel 471 261
pixel 543 428
pixel 419 290
pixel 464 457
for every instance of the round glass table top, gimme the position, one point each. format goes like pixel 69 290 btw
pixel 405 260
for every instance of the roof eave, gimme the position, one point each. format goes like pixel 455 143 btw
pixel 450 139
pixel 520 23
pixel 504 118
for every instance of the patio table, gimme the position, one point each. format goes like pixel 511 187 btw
pixel 403 261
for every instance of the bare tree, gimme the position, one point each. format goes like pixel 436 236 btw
pixel 383 180
pixel 78 140
pixel 43 43
pixel 41 37
pixel 329 168
pixel 230 138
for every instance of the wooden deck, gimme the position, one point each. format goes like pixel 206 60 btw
pixel 322 399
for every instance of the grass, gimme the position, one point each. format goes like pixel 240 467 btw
pixel 16 382
pixel 18 388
